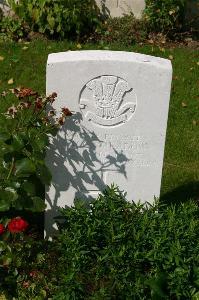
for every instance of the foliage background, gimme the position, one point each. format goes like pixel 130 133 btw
pixel 58 18
pixel 164 259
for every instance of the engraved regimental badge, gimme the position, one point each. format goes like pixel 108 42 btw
pixel 108 101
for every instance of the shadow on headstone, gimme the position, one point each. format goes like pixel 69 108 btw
pixel 74 163
pixel 105 11
pixel 181 194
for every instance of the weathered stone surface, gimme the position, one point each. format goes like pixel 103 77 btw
pixel 4 7
pixel 117 134
pixel 117 8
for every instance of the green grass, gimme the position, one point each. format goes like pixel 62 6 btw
pixel 180 180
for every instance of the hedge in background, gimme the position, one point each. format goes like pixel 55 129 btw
pixel 166 16
pixel 119 250
pixel 160 16
pixel 124 30
pixel 76 18
pixel 58 18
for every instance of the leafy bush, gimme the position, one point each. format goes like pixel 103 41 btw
pixel 125 30
pixel 13 28
pixel 24 136
pixel 27 266
pixel 10 231
pixel 109 249
pixel 59 18
pixel 165 16
pixel 120 250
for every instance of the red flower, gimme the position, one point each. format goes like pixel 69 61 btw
pixel 17 225
pixel 2 229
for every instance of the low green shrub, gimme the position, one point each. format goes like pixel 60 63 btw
pixel 120 250
pixel 166 16
pixel 106 249
pixel 58 18
pixel 12 28
pixel 125 30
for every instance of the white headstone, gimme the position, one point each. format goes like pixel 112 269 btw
pixel 118 8
pixel 120 102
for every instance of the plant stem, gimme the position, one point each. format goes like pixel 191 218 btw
pixel 11 168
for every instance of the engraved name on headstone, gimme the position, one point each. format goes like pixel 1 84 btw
pixel 120 104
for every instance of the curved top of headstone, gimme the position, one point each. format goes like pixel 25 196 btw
pixel 107 55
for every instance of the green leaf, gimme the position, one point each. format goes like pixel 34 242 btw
pixel 11 193
pixel 3 246
pixel 51 21
pixel 24 203
pixel 39 155
pixel 15 184
pixel 38 204
pixel 7 198
pixel 44 174
pixel 5 149
pixel 35 15
pixel 24 168
pixel 158 286
pixel 29 188
pixel 43 294
pixel 4 136
pixel 4 205
pixel 196 296
pixel 7 259
pixel 17 143
pixel 39 142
